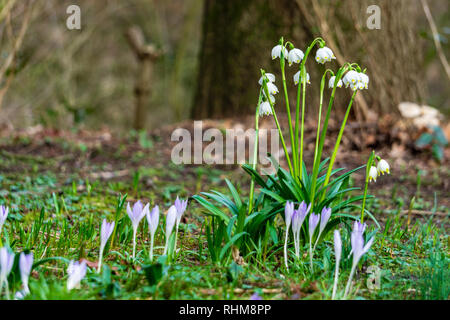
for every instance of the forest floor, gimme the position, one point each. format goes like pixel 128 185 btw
pixel 77 176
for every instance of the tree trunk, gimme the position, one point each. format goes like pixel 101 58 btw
pixel 237 39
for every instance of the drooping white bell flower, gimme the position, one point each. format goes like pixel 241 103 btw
pixel 271 88
pixel 270 77
pixel 373 174
pixel 295 56
pixel 277 50
pixel 297 76
pixel 324 55
pixel 265 109
pixel 331 82
pixel 382 167
pixel 351 79
pixel 364 81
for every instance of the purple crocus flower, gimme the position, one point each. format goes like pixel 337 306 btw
pixel 136 216
pixel 358 228
pixel 77 271
pixel 25 265
pixel 358 249
pixel 324 217
pixel 297 220
pixel 181 206
pixel 153 220
pixel 105 232
pixel 6 263
pixel 299 216
pixel 170 223
pixel 288 212
pixel 137 213
pixel 256 296
pixel 3 215
pixel 313 222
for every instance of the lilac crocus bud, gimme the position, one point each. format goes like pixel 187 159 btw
pixel 136 216
pixel 77 271
pixel 359 227
pixel 256 296
pixel 324 217
pixel 3 215
pixel 358 247
pixel 105 232
pixel 170 220
pixel 153 219
pixel 137 213
pixel 288 212
pixel 299 216
pixel 181 206
pixel 337 246
pixel 6 263
pixel 170 223
pixel 25 265
pixel 313 221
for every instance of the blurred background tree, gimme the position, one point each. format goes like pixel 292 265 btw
pixel 213 51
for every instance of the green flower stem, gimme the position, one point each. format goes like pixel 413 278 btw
pixel 338 141
pixel 366 184
pixel 288 159
pixel 255 153
pixel 336 278
pixel 288 111
pixel 311 255
pixel 303 82
pixel 322 87
pixel 297 109
pixel 349 282
pixel 152 240
pixel 285 250
pixel 316 164
pixel 100 259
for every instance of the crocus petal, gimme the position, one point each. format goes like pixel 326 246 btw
pixel 153 219
pixel 288 212
pixel 337 245
pixel 170 220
